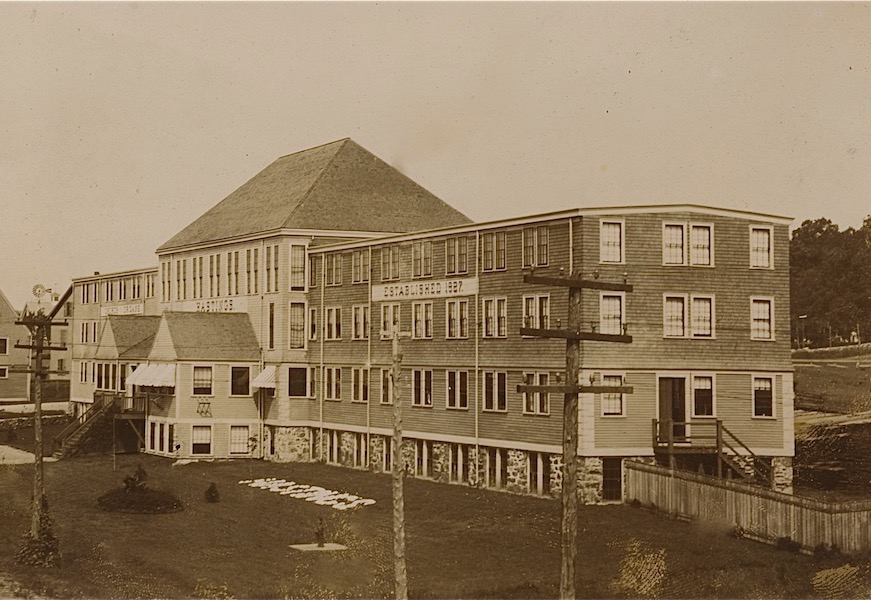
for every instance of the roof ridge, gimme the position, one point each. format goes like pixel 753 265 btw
pixel 344 139
pixel 318 178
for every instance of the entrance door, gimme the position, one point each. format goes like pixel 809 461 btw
pixel 672 407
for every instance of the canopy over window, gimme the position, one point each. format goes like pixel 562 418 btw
pixel 266 378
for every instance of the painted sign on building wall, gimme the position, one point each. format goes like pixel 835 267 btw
pixel 419 290
pixel 124 309
pixel 237 304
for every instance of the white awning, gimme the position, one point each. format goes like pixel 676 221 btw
pixel 153 376
pixel 266 378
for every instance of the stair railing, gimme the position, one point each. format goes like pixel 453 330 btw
pixel 734 443
pixel 101 403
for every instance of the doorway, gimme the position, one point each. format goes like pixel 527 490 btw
pixel 672 407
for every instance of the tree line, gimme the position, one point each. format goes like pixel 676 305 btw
pixel 830 284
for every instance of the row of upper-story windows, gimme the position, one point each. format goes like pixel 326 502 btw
pixel 691 316
pixel 535 253
pixel 234 273
pixel 115 289
pixel 685 244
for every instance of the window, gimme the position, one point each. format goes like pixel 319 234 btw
pixel 249 282
pixel 612 403
pixel 297 382
pixel 537 403
pixel 387 457
pixel 495 391
pixel 457 319
pixel 674 316
pixel 333 383
pixel 83 372
pixel 421 259
pixel 297 267
pixel 313 271
pixel 360 385
pixel 611 314
pixel 386 387
pixel 360 266
pixel 297 325
pixel 274 268
pixel 703 396
pixel 240 378
pixel 497 467
pixel 611 242
pixel 334 446
pixel 313 382
pixel 536 310
pixel 701 245
pixel 4 372
pixel 495 317
pixel 390 262
pixel 493 251
pixel 760 248
pixel 673 244
pixel 233 273
pixel 423 458
pixel 239 439
pixel 361 450
pixel 421 327
pixel 458 389
pixel 456 255
pixel 702 316
pixel 333 268
pixel 218 275
pixel 535 246
pixel 761 319
pixel 390 320
pixel 4 345
pixel 422 388
pixel 539 473
pixel 334 323
pixel 201 439
pixel 271 325
pixel 763 398
pixel 459 458
pixel 312 324
pixel 202 381
pixel 360 325
pixel 268 270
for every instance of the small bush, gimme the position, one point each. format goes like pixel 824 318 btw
pixel 824 551
pixel 788 544
pixel 212 494
pixel 44 550
pixel 636 503
pixel 739 532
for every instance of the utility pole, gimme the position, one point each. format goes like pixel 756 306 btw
pixel 400 573
pixel 41 545
pixel 573 336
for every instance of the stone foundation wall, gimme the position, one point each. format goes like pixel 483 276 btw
pixel 376 453
pixel 441 462
pixel 408 457
pixel 556 474
pixel 291 444
pixel 346 449
pixel 782 467
pixel 589 479
pixel 22 422
pixel 518 471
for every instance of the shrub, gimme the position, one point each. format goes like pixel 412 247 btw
pixel 212 494
pixel 823 551
pixel 636 503
pixel 42 551
pixel 788 544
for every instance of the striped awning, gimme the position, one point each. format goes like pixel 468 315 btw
pixel 155 375
pixel 266 378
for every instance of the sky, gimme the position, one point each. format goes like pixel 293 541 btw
pixel 123 122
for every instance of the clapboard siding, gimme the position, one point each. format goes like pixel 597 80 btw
pixel 734 401
pixel 634 430
pixel 220 404
pixel 730 281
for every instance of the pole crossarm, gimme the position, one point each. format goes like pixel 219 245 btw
pixel 30 347
pixel 567 334
pixel 574 389
pixel 577 283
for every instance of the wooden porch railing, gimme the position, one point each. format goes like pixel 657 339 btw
pixel 713 437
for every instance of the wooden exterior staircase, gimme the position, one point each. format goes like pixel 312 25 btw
pixel 70 439
pixel 672 439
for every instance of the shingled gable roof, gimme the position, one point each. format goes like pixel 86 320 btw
pixel 128 337
pixel 207 336
pixel 339 186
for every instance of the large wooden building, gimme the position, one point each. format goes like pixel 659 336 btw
pixel 269 320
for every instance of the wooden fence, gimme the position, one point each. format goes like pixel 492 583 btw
pixel 759 513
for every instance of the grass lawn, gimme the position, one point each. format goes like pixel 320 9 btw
pixel 834 388
pixel 461 542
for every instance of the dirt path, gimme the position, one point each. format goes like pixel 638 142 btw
pixel 14 456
